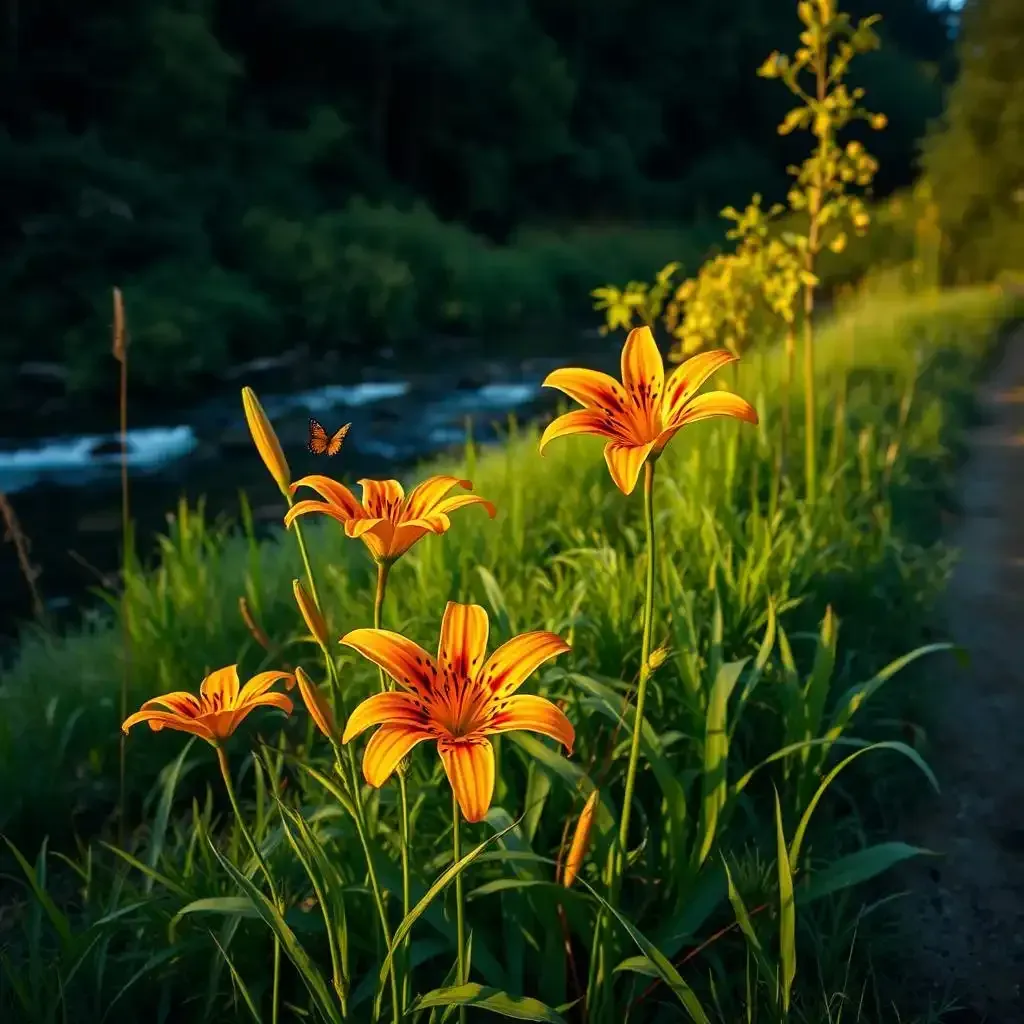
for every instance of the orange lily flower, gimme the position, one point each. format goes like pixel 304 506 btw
pixel 457 699
pixel 642 414
pixel 220 707
pixel 388 521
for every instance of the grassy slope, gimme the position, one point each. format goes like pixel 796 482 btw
pixel 563 555
pixel 59 698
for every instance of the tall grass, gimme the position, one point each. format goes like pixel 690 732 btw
pixel 775 643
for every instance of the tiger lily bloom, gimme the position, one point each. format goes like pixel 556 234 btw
pixel 220 707
pixel 458 699
pixel 642 414
pixel 388 520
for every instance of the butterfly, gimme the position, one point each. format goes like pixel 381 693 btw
pixel 320 443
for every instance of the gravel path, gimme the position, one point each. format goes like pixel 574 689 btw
pixel 965 919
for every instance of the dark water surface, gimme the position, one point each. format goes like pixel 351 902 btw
pixel 65 490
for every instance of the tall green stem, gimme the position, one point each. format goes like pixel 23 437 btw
pixel 357 803
pixel 460 919
pixel 598 981
pixel 645 654
pixel 225 771
pixel 383 569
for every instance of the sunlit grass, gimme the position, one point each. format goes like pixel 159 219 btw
pixel 747 571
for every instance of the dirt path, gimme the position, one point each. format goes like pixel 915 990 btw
pixel 966 917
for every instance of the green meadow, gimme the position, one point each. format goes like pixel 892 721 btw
pixel 681 710
pixel 783 678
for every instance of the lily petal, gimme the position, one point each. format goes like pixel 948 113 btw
pixel 164 719
pixel 357 527
pixel 525 712
pixel 643 374
pixel 378 536
pixel 395 707
pixel 458 501
pixel 591 388
pixel 220 688
pixel 332 492
pixel 511 664
pixel 625 461
pixel 180 702
pixel 386 749
pixel 263 681
pixel 403 536
pixel 689 377
pixel 469 765
pixel 581 421
pixel 381 497
pixel 304 508
pixel 406 662
pixel 224 723
pixel 716 403
pixel 463 644
pixel 425 495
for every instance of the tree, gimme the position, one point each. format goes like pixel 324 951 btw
pixel 975 154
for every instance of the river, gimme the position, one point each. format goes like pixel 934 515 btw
pixel 65 487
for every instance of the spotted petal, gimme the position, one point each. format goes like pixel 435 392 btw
pixel 381 497
pixel 514 661
pixel 591 388
pixel 689 377
pixel 533 714
pixel 406 662
pixel 334 493
pixel 220 688
pixel 425 495
pixel 625 461
pixel 581 421
pixel 643 377
pixel 165 719
pixel 463 644
pixel 716 403
pixel 395 708
pixel 180 702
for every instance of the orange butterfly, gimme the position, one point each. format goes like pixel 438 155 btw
pixel 319 441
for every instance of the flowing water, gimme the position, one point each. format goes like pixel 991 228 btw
pixel 66 493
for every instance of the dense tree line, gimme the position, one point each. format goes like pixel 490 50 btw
pixel 335 169
pixel 975 157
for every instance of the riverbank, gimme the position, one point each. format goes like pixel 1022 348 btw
pixel 896 378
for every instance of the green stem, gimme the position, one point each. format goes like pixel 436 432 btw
pixel 383 568
pixel 305 560
pixel 645 654
pixel 598 982
pixel 460 920
pixel 360 820
pixel 357 803
pixel 225 771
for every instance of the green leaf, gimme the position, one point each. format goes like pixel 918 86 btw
pixel 662 965
pixel 857 867
pixel 172 775
pixel 747 927
pixel 716 755
pixel 308 971
pixel 492 999
pixel 59 921
pixel 787 912
pixel 443 881
pixel 240 905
